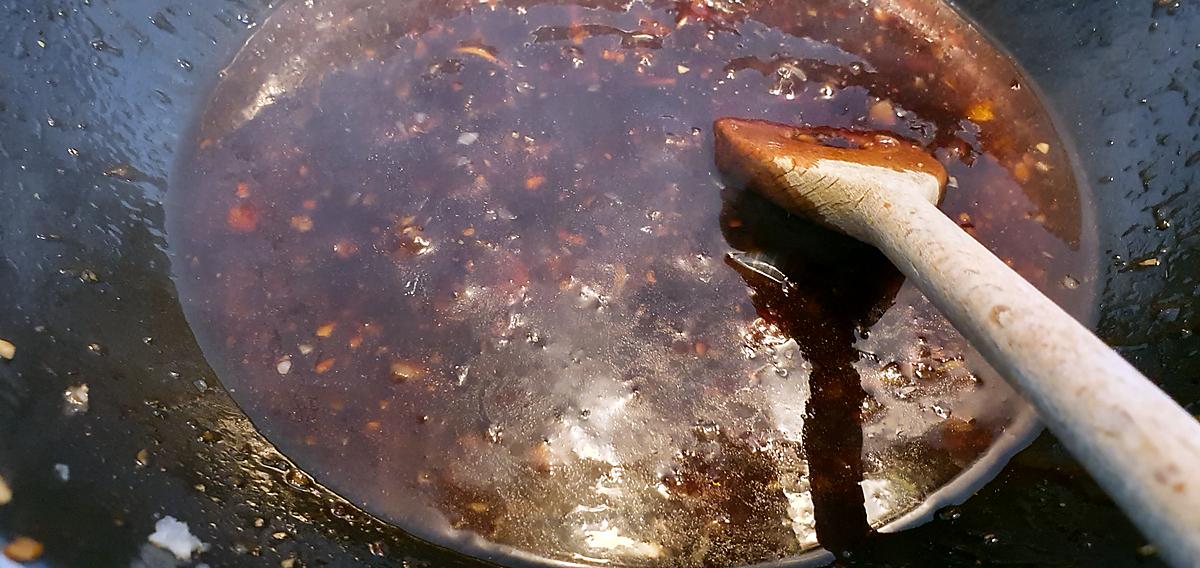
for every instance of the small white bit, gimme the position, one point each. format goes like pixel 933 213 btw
pixel 468 138
pixel 681 69
pixel 284 366
pixel 606 538
pixel 62 471
pixel 173 535
pixel 75 400
pixel 1043 147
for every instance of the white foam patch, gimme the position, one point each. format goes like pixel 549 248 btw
pixel 173 535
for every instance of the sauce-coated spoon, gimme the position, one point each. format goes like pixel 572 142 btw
pixel 1142 447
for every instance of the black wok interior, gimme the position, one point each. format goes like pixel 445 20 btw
pixel 96 97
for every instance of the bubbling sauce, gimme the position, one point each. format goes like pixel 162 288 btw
pixel 472 267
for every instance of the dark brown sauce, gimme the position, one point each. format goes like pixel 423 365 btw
pixel 464 264
pixel 825 313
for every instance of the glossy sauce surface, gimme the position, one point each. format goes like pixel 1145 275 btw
pixel 474 268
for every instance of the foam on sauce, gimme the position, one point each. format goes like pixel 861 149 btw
pixel 470 266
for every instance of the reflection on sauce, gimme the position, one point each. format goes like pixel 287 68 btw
pixel 464 264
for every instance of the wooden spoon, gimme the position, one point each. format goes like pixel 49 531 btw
pixel 1141 447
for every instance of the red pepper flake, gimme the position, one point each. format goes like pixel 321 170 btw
pixel 303 171
pixel 660 81
pixel 612 55
pixel 650 278
pixel 243 217
pixel 355 342
pixel 701 348
pixel 309 204
pixel 374 426
pixel 577 34
pixel 573 239
pixel 326 329
pixel 324 365
pixel 302 223
pixel 981 111
pixel 404 370
pixel 1021 172
pixel 243 190
pixel 534 182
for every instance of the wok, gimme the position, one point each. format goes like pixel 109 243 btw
pixel 95 101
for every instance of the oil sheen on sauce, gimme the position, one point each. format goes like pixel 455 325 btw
pixel 472 267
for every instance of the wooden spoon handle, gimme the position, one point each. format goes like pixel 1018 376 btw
pixel 1141 446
